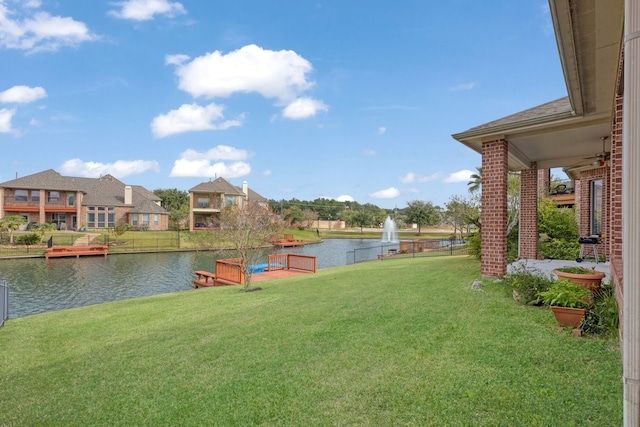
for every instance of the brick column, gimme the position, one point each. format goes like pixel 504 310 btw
pixel 528 239
pixel 544 182
pixel 494 208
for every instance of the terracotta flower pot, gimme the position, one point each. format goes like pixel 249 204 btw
pixel 566 316
pixel 591 280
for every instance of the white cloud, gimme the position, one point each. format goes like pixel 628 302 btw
pixel 206 164
pixel 30 29
pixel 411 177
pixel 382 130
pixel 22 94
pixel 463 175
pixel 302 108
pixel 191 117
pixel 5 120
pixel 388 193
pixel 345 198
pixel 280 75
pixel 267 172
pixel 462 86
pixel 144 10
pixel 119 169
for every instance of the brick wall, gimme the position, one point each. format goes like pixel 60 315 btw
pixel 494 208
pixel 528 244
pixel 614 236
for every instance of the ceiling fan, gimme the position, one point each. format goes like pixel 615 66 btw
pixel 602 156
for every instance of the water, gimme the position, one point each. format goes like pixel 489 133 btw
pixel 389 231
pixel 38 285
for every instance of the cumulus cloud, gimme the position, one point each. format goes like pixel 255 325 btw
pixel 302 108
pixel 119 169
pixel 144 10
pixel 388 193
pixel 223 160
pixel 281 75
pixel 462 86
pixel 191 117
pixel 22 94
pixel 411 177
pixel 5 120
pixel 463 175
pixel 345 198
pixel 28 28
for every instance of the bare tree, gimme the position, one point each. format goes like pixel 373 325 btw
pixel 249 230
pixel 309 217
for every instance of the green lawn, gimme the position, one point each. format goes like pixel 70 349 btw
pixel 397 342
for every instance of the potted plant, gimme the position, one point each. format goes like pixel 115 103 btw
pixel 568 302
pixel 586 277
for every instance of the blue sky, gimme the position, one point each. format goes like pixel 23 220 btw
pixel 340 99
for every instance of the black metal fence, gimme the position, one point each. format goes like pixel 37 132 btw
pixel 140 243
pixel 4 302
pixel 411 248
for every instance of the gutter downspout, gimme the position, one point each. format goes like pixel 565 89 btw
pixel 631 215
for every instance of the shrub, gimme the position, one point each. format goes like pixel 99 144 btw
pixel 528 282
pixel 559 248
pixel 28 239
pixel 603 318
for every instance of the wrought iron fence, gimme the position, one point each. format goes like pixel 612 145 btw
pixel 412 248
pixel 4 302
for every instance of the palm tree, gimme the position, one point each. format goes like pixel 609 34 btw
pixel 475 183
pixel 12 223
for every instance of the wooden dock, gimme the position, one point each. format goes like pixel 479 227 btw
pixel 230 272
pixel 76 251
pixel 288 242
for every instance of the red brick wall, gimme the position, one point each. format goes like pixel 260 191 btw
pixel 528 213
pixel 586 177
pixel 614 236
pixel 494 208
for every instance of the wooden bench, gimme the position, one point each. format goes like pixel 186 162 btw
pixel 204 280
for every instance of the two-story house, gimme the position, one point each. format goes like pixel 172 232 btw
pixel 207 199
pixel 74 203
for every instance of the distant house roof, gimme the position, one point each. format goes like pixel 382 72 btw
pixel 104 191
pixel 219 185
pixel 255 197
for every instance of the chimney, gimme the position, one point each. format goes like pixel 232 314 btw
pixel 128 195
pixel 245 188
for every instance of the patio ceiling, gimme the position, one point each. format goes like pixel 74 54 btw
pixel 568 132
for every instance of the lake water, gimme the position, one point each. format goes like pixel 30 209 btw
pixel 37 285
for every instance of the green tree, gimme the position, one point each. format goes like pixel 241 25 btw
pixel 461 213
pixel 422 213
pixel 41 228
pixel 173 199
pixel 11 223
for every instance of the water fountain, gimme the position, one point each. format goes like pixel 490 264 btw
pixel 389 231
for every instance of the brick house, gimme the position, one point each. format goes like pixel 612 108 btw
pixel 208 198
pixel 599 47
pixel 73 203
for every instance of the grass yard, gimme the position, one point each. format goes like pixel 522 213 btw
pixel 399 342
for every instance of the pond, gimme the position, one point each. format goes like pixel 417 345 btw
pixel 37 285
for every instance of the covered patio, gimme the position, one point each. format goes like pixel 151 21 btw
pixel 584 134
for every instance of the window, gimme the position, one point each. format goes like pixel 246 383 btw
pixel 203 202
pixel 134 219
pixel 35 195
pixel 156 219
pixel 229 200
pixel 71 200
pixel 101 219
pixel 53 196
pixel 91 220
pixel 111 217
pixel 145 219
pixel 21 195
pixel 596 206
